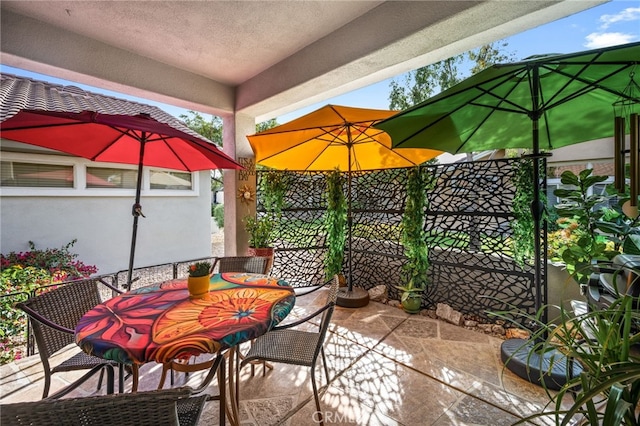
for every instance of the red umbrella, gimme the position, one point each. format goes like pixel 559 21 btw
pixel 103 128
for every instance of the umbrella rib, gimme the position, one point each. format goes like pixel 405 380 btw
pixel 164 139
pixel 298 143
pixel 99 153
pixel 491 110
pixel 427 103
pixel 571 78
pixel 591 86
pixel 41 126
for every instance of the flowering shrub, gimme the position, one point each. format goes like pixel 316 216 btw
pixel 23 273
pixel 60 262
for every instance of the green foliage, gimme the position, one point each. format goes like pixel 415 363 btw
pixel 604 343
pixel 419 85
pixel 16 280
pixel 217 212
pixel 211 129
pixel 264 227
pixel 23 273
pixel 413 236
pixel 260 230
pixel 522 227
pixel 199 269
pixel 273 189
pixel 588 233
pixel 335 223
pixel 59 262
pixel 266 125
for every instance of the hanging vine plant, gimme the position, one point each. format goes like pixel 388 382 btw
pixel 522 226
pixel 414 240
pixel 335 223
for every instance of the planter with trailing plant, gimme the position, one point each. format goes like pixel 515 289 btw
pixel 414 271
pixel 263 227
pixel 335 222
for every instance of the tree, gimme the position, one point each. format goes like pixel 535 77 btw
pixel 211 129
pixel 420 84
pixel 266 125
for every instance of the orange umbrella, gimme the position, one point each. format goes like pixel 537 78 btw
pixel 336 137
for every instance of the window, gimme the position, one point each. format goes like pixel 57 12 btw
pixel 25 174
pixel 99 177
pixel 170 180
pixel 34 175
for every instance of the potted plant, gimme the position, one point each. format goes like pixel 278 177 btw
pixel 263 227
pixel 414 271
pixel 335 222
pixel 198 279
pixel 589 233
pixel 260 230
pixel 604 342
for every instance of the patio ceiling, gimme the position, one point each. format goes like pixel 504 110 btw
pixel 259 58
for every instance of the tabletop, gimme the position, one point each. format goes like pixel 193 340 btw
pixel 160 322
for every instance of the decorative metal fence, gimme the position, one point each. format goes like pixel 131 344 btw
pixel 467 225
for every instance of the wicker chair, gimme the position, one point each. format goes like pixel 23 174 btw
pixel 54 315
pixel 252 264
pixel 155 408
pixel 297 347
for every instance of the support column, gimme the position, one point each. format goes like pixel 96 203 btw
pixel 235 129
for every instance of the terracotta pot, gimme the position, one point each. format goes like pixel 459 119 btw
pixel 262 251
pixel 198 286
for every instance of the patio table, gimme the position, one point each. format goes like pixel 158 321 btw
pixel 160 322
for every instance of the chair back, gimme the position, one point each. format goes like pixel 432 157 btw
pixel 251 264
pixel 326 315
pixel 62 306
pixel 143 408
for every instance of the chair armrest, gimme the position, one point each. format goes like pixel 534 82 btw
pixel 35 315
pixel 213 265
pixel 112 288
pixel 305 319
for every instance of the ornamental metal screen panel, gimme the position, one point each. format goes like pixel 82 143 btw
pixel 300 244
pixel 377 205
pixel 467 223
pixel 468 229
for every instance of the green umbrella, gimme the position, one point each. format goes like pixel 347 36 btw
pixel 542 103
pixel 570 97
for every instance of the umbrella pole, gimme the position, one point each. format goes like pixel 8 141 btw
pixel 526 357
pixel 136 211
pixel 351 297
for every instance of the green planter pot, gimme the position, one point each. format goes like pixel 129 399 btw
pixel 411 301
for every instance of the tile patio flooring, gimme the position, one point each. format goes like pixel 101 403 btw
pixel 386 368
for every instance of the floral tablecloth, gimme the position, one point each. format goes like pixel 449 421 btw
pixel 160 322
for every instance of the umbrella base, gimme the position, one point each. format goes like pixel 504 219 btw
pixel 356 298
pixel 549 367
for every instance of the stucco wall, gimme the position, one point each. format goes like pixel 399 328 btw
pixel 175 228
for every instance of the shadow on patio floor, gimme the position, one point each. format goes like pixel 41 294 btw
pixel 386 368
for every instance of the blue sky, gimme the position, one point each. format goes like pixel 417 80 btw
pixel 613 23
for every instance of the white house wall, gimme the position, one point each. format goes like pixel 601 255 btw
pixel 175 227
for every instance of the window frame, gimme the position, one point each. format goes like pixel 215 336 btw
pixel 79 182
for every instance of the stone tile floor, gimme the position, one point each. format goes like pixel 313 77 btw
pixel 386 368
